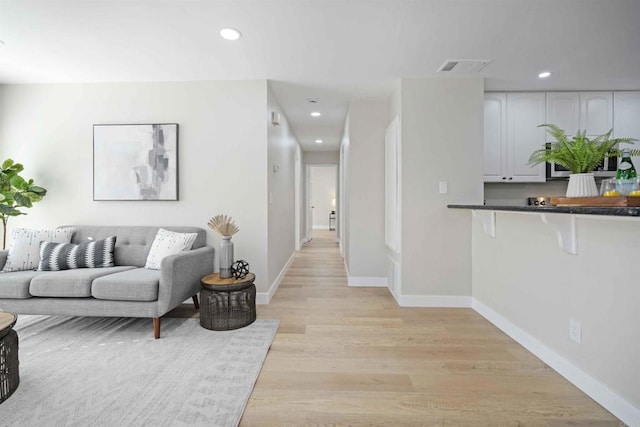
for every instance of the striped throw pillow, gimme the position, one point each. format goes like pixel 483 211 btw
pixel 65 256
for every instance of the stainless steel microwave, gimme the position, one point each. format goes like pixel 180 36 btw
pixel 607 169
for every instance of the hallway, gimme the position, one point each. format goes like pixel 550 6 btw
pixel 351 356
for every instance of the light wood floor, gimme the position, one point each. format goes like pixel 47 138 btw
pixel 351 356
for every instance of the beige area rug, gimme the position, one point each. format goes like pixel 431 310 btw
pixel 83 371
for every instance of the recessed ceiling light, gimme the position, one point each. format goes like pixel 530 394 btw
pixel 230 34
pixel 316 114
pixel 544 74
pixel 318 141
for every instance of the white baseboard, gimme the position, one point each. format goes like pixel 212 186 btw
pixel 446 301
pixel 364 282
pixel 265 297
pixel 367 282
pixel 395 297
pixel 320 227
pixel 599 392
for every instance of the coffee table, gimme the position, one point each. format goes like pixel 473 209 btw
pixel 227 303
pixel 9 374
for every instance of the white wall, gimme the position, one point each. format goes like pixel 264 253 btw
pixel 441 133
pixel 282 150
pixel 525 277
pixel 222 154
pixel 321 157
pixel 367 121
pixel 323 194
pixel 395 101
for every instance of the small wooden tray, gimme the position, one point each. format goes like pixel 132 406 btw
pixel 617 201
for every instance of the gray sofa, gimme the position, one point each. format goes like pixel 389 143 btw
pixel 125 290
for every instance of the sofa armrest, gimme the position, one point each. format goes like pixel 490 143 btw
pixel 180 276
pixel 3 258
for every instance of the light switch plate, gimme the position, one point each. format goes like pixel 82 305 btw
pixel 443 187
pixel 575 331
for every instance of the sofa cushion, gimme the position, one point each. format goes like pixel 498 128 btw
pixel 66 256
pixel 168 243
pixel 24 249
pixel 140 284
pixel 69 283
pixel 16 284
pixel 134 242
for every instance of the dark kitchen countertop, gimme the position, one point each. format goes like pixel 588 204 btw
pixel 576 210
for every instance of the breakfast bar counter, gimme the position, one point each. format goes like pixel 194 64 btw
pixel 561 218
pixel 563 282
pixel 576 210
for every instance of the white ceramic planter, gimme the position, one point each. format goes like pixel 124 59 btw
pixel 582 185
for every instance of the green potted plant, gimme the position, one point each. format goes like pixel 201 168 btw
pixel 579 154
pixel 15 193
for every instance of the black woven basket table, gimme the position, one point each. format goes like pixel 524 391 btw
pixel 9 374
pixel 227 304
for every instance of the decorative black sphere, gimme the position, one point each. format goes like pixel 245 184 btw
pixel 240 269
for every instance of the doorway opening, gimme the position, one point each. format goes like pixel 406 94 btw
pixel 322 192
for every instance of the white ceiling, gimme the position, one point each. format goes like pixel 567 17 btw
pixel 334 50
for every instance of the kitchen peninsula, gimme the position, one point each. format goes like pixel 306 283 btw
pixel 562 281
pixel 576 210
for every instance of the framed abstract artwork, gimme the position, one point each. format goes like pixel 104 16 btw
pixel 135 162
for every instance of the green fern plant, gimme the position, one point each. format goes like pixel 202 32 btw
pixel 578 154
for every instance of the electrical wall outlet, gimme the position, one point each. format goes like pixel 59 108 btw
pixel 575 331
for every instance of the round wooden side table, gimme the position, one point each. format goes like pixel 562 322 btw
pixel 9 374
pixel 227 304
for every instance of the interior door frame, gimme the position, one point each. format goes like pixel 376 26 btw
pixel 297 197
pixel 307 205
pixel 309 211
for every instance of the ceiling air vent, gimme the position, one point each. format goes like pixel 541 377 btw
pixel 463 65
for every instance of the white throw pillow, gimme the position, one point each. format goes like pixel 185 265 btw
pixel 168 243
pixel 24 249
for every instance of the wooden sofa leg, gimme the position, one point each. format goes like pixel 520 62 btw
pixel 156 327
pixel 195 302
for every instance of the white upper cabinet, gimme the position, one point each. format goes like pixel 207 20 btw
pixel 511 134
pixel 511 121
pixel 573 111
pixel 626 120
pixel 495 136
pixel 563 110
pixel 596 112
pixel 525 112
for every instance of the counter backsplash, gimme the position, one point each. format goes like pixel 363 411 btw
pixel 516 194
